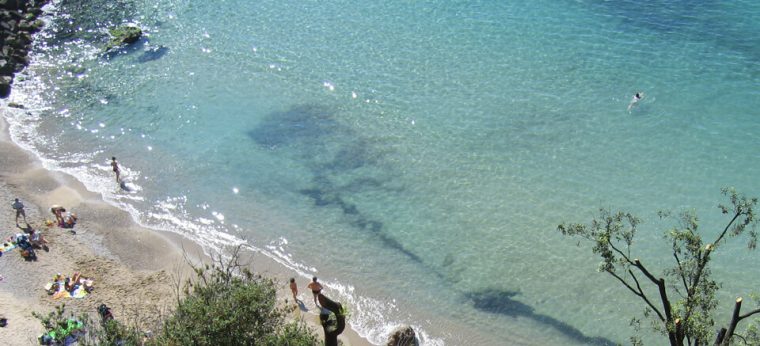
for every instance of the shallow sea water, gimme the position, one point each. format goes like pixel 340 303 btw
pixel 416 156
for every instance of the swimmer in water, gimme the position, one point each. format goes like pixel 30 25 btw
pixel 636 98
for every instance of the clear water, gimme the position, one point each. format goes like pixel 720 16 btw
pixel 416 155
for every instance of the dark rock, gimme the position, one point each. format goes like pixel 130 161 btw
pixel 18 19
pixel 10 4
pixel 30 26
pixel 403 336
pixel 5 86
pixel 24 25
pixel 36 25
pixel 14 42
pixel 18 67
pixel 6 68
pixel 15 14
pixel 9 25
pixel 15 105
pixel 126 34
pixel 25 37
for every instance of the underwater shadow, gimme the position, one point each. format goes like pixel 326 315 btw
pixel 501 302
pixel 152 53
pixel 342 163
pixel 148 52
pixel 683 19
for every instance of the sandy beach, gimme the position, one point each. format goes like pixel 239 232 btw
pixel 134 269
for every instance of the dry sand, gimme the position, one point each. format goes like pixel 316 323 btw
pixel 135 269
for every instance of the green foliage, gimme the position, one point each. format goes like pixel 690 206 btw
pixel 126 34
pixel 224 305
pixel 58 326
pixel 229 306
pixel 689 316
pixel 114 332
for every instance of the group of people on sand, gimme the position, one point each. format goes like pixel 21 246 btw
pixel 63 218
pixel 314 286
pixel 28 241
pixel 69 285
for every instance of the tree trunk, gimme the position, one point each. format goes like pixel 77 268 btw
pixel 331 335
pixel 734 321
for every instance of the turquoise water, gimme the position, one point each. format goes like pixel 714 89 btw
pixel 416 156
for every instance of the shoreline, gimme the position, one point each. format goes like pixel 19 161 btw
pixel 108 244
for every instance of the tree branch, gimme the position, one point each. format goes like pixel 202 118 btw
pixel 680 272
pixel 626 258
pixel 749 314
pixel 638 292
pixel 643 296
pixel 725 230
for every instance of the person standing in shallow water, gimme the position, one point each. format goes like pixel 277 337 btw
pixel 315 288
pixel 19 207
pixel 115 166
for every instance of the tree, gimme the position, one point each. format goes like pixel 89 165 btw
pixel 228 305
pixel 681 306
pixel 225 305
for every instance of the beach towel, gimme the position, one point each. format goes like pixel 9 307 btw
pixel 7 246
pixel 78 293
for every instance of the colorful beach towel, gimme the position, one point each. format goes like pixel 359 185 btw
pixel 60 290
pixel 7 246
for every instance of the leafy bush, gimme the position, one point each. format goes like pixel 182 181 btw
pixel 228 305
pixel 225 305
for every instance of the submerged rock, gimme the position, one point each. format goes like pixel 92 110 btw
pixel 126 34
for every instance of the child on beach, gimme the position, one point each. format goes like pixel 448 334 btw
pixel 294 289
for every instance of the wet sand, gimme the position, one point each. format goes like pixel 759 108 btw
pixel 135 269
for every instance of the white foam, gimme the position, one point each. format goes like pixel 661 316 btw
pixel 368 315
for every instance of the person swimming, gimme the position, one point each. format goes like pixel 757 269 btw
pixel 636 98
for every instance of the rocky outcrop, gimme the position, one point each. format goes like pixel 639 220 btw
pixel 403 336
pixel 19 19
pixel 126 34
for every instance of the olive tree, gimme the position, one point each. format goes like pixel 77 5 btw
pixel 681 299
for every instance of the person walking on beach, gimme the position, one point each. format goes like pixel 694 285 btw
pixel 294 289
pixel 115 166
pixel 315 288
pixel 19 211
